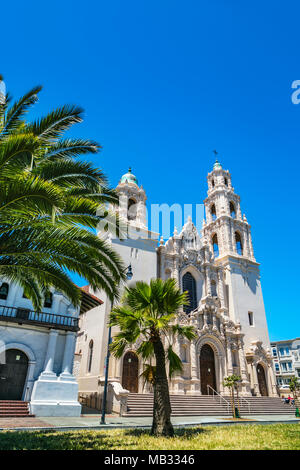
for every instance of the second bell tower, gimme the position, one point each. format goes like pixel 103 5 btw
pixel 226 231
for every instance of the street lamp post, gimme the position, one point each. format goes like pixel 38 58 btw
pixel 128 276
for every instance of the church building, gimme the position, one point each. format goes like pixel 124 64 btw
pixel 219 270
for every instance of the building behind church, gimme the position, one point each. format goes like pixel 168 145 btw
pixel 286 361
pixel 219 270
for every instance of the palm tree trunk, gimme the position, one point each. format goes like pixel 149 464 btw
pixel 161 425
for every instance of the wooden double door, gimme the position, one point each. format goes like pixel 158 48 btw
pixel 13 375
pixel 262 383
pixel 130 375
pixel 207 370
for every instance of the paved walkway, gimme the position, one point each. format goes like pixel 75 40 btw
pixel 113 421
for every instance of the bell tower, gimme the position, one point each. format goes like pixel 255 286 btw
pixel 226 231
pixel 228 235
pixel 132 201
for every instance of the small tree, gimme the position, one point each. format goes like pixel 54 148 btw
pixel 295 389
pixel 231 382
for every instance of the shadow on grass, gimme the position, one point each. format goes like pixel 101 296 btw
pixel 53 440
pixel 178 432
pixel 84 440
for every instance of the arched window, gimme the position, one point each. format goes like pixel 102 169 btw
pixel 213 212
pixel 238 243
pixel 4 291
pixel 132 209
pixel 232 210
pixel 226 181
pixel 213 288
pixel 189 285
pixel 215 245
pixel 213 183
pixel 90 356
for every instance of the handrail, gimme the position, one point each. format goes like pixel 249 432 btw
pixel 247 402
pixel 220 396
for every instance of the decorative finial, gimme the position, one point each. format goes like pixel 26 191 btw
pixel 217 165
pixel 129 169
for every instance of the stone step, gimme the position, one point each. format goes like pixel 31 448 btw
pixel 206 405
pixel 16 405
pixel 14 409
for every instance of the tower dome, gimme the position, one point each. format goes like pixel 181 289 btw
pixel 217 165
pixel 129 178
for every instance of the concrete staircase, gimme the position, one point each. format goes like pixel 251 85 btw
pixel 265 406
pixel 14 409
pixel 207 405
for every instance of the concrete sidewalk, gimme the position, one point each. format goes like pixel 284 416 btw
pixel 113 421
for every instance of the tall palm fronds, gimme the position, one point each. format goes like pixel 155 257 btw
pixel 51 202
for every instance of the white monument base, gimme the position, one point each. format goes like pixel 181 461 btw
pixel 57 397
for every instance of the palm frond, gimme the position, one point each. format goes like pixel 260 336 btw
pixel 175 364
pixel 14 115
pixel 51 127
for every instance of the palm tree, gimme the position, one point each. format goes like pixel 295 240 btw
pixel 148 313
pixel 49 205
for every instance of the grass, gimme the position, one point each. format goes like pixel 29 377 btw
pixel 251 437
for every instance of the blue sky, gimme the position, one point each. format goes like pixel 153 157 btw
pixel 163 83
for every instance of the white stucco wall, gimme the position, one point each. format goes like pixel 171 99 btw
pixel 245 295
pixel 55 397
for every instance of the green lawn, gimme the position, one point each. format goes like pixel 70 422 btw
pixel 271 437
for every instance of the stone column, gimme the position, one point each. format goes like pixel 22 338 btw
pixel 271 381
pixel 250 244
pixel 228 235
pixel 214 320
pixel 246 243
pixel 251 376
pixel 221 288
pixel 221 374
pixel 68 356
pixel 229 359
pixel 30 380
pixel 208 283
pixel 205 318
pixel 194 368
pixel 243 371
pixel 49 360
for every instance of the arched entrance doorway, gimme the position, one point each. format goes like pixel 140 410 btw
pixel 207 369
pixel 13 375
pixel 262 384
pixel 130 375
